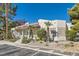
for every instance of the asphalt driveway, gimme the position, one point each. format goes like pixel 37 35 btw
pixel 9 50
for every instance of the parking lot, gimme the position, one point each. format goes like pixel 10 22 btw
pixel 9 50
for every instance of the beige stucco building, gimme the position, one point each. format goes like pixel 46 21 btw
pixel 57 29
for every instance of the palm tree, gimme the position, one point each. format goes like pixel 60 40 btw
pixel 31 27
pixel 54 33
pixel 32 30
pixel 47 25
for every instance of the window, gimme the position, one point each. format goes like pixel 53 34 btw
pixel 53 32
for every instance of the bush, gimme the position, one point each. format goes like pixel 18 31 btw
pixel 10 35
pixel 12 40
pixel 71 44
pixel 66 45
pixel 1 36
pixel 41 41
pixel 25 40
pixel 71 34
pixel 37 39
pixel 41 33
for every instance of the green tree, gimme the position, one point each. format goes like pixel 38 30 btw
pixel 71 34
pixel 74 12
pixel 7 10
pixel 32 31
pixel 48 37
pixel 75 26
pixel 74 18
pixel 41 33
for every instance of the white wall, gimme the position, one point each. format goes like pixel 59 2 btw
pixel 58 25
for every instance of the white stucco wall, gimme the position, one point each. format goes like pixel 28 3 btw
pixel 58 25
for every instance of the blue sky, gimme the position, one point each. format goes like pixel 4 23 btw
pixel 31 12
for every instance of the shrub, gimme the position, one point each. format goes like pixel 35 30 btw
pixel 71 34
pixel 41 33
pixel 66 45
pixel 71 44
pixel 1 36
pixel 12 40
pixel 41 41
pixel 10 35
pixel 37 39
pixel 25 40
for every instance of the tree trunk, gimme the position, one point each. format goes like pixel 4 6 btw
pixel 32 36
pixel 53 37
pixel 47 41
pixel 6 9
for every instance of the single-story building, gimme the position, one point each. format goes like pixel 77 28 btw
pixel 57 29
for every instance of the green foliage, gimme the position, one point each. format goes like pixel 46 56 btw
pixel 47 24
pixel 37 39
pixel 11 12
pixel 66 45
pixel 74 12
pixel 25 40
pixel 75 21
pixel 76 26
pixel 12 40
pixel 74 16
pixel 71 34
pixel 41 33
pixel 71 44
pixel 1 35
pixel 10 35
pixel 47 33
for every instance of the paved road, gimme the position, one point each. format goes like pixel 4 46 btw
pixel 8 50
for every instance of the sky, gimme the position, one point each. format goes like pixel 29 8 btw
pixel 31 12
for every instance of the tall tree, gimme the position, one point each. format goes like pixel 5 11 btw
pixel 74 18
pixel 74 13
pixel 47 25
pixel 32 30
pixel 6 17
pixel 8 10
pixel 41 33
